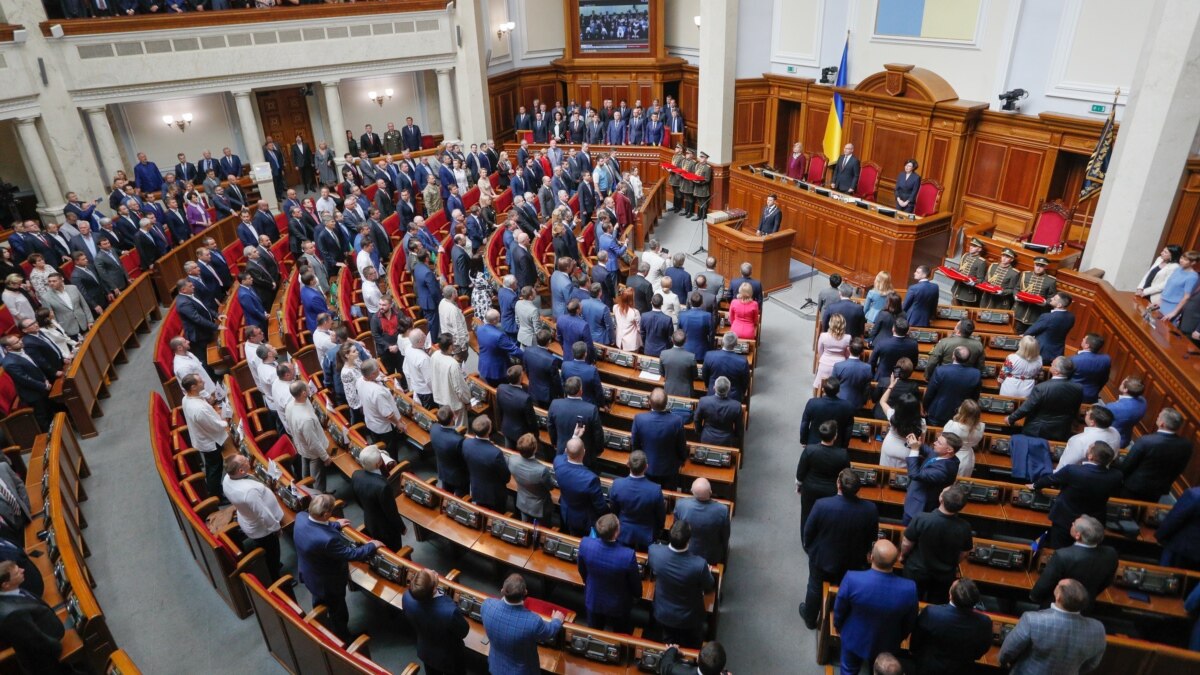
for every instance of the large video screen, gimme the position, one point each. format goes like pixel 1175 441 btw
pixel 614 25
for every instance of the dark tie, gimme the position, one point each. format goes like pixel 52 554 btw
pixel 1153 273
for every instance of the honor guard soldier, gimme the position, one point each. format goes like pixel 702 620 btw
pixel 1004 275
pixel 972 264
pixel 1035 283
pixel 687 187
pixel 701 190
pixel 676 179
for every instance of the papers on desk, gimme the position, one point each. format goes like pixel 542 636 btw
pixel 273 470
pixel 649 376
pixel 475 402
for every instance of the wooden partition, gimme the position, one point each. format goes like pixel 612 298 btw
pixel 1183 226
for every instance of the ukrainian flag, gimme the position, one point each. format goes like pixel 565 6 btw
pixel 833 127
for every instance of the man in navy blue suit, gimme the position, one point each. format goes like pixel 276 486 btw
pixel 439 624
pixel 495 349
pixel 33 387
pixel 1179 532
pixel 681 580
pixel 572 416
pixel 887 352
pixel 660 435
pixel 487 467
pixel 322 558
pixel 930 470
pixel 252 310
pixel 447 444
pixel 515 408
pixel 513 630
pixel 593 390
pixel 726 362
pixel 312 300
pixel 580 499
pixel 1091 367
pixel 855 376
pixel 1083 489
pixel 755 285
pixel 572 328
pixel 429 291
pixel 950 386
pixel 768 222
pixel 410 135
pixel 1129 408
pixel 656 328
pixel 949 638
pixel 1052 327
pixel 199 324
pixel 612 582
pixel 718 419
pixel 875 609
pixel 697 325
pixel 543 367
pixel 851 311
pixel 709 521
pixel 920 302
pixel 829 407
pixel 1157 459
pixel 597 315
pixel 638 502
pixel 837 537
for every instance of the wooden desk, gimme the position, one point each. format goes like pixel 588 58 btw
pixel 733 242
pixel 845 238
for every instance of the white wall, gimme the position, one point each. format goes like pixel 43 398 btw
pixel 753 49
pixel 498 50
pixel 139 128
pixel 537 40
pixel 358 110
pixel 680 35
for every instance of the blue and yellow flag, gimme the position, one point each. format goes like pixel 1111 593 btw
pixel 833 127
pixel 1097 166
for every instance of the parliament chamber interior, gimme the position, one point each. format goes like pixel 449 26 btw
pixel 403 336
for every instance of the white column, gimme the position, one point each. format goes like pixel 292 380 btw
pixel 1152 146
pixel 245 111
pixel 470 72
pixel 718 53
pixel 50 196
pixel 337 131
pixel 106 142
pixel 446 104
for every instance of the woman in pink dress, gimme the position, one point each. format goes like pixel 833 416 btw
pixel 629 322
pixel 743 314
pixel 832 347
pixel 197 215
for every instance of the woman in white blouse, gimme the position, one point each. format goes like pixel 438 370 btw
pixel 460 177
pixel 1021 369
pixel 49 326
pixel 1166 264
pixel 969 427
pixel 347 364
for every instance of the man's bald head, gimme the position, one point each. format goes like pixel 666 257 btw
pixel 883 555
pixel 575 449
pixel 702 489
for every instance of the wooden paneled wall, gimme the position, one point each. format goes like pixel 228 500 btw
pixel 1183 227
pixel 509 91
pixel 750 102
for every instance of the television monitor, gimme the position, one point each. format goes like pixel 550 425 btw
pixel 607 26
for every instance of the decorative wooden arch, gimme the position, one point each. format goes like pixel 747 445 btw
pixel 901 80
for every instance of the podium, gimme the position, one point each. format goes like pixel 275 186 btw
pixel 771 255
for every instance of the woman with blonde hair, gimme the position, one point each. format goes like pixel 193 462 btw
pixel 832 348
pixel 969 427
pixel 743 314
pixel 877 296
pixel 629 322
pixel 1021 369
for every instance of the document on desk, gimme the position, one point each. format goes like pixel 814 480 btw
pixel 649 376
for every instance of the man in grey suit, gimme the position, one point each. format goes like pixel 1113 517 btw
pixel 68 304
pixel 309 257
pixel 709 521
pixel 1056 640
pixel 86 241
pixel 845 171
pixel 14 505
pixel 678 367
pixel 545 197
pixel 534 482
pixel 108 266
pixel 715 280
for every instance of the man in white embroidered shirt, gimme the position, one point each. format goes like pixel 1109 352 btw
pixel 322 337
pixel 370 291
pixel 208 432
pixel 380 413
pixel 281 391
pixel 258 512
pixel 448 382
pixel 1098 421
pixel 267 376
pixel 253 336
pixel 307 433
pixel 186 363
pixel 451 319
pixel 417 370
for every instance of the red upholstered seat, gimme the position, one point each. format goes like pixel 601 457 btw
pixel 281 222
pixel 928 197
pixel 233 256
pixel 340 191
pixel 282 449
pixel 1050 226
pixel 428 142
pixel 7 325
pixel 132 263
pixel 370 190
pixel 8 395
pixel 391 225
pixel 437 224
pixel 816 169
pixel 868 181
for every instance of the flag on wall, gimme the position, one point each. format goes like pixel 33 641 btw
pixel 1097 166
pixel 833 126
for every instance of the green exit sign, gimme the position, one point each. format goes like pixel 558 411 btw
pixel 1099 108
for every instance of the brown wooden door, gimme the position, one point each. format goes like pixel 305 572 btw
pixel 284 113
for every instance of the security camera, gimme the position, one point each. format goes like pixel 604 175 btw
pixel 1010 99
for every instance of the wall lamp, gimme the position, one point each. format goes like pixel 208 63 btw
pixel 504 29
pixel 697 20
pixel 379 98
pixel 183 122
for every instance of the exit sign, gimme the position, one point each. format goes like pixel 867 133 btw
pixel 792 69
pixel 1099 108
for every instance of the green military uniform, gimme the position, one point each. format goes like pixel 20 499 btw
pixel 1043 284
pixel 674 180
pixel 702 191
pixel 1004 276
pixel 973 265
pixel 391 142
pixel 433 199
pixel 943 353
pixel 686 186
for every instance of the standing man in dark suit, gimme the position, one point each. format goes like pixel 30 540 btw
pixel 543 369
pixel 837 537
pixel 447 446
pixel 410 135
pixel 829 407
pixel 573 328
pixel 921 300
pixel 572 416
pixel 930 470
pixel 523 267
pixel 845 171
pixel 370 142
pixel 29 625
pixel 1088 561
pixel 199 324
pixel 660 435
pixel 718 419
pixel 589 375
pixel 439 624
pixel 274 157
pixel 429 291
pixel 32 385
pixel 108 266
pixel 950 386
pixel 888 352
pixel 323 557
pixel 1091 367
pixel 580 499
pixel 302 159
pixel 681 580
pixel 611 578
pixel 756 289
pixel 854 375
pixel 638 503
pixel 934 545
pixel 949 638
pixel 852 312
pixel 643 290
pixel 697 325
pixel 487 467
pixel 1051 328
pixel 1053 406
pixel 1084 489
pixel 709 521
pixel 513 630
pixel 1157 459
pixel 1179 532
pixel 875 610
pixel 730 364
pixel 515 407
pixel 656 328
pixel 768 222
pixel 378 500
pixel 679 368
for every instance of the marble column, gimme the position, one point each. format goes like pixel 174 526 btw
pixel 337 127
pixel 718 54
pixel 470 73
pixel 50 196
pixel 446 104
pixel 106 142
pixel 250 136
pixel 1152 146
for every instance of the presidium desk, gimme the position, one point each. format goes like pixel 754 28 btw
pixel 852 239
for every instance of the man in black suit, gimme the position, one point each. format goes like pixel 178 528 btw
pixel 1157 459
pixel 949 638
pixel 950 386
pixel 1051 328
pixel 42 350
pixel 146 245
pixel 643 290
pixel 572 416
pixel 1053 405
pixel 656 328
pixel 446 443
pixel 845 171
pixel 837 537
pixel 370 143
pixel 29 624
pixel 523 268
pixel 768 222
pixel 887 352
pixel 410 135
pixel 828 407
pixel 378 500
pixel 33 387
pixel 515 406
pixel 1087 561
pixel 852 312
pixel 1084 489
pixel 718 419
pixel 199 324
pixel 711 661
pixel 756 289
pixel 935 543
